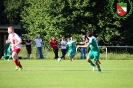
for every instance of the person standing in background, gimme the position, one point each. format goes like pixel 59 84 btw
pixel 54 45
pixel 28 43
pixel 63 48
pixel 83 50
pixel 39 45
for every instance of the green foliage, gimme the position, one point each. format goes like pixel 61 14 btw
pixel 2 16
pixel 13 10
pixel 69 18
pixel 37 20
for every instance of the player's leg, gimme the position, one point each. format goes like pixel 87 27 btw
pixel 5 56
pixel 15 59
pixel 10 57
pixel 98 66
pixel 90 56
pixel 96 59
pixel 73 55
pixel 99 62
pixel 69 54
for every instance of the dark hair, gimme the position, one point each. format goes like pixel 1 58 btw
pixel 69 38
pixel 89 34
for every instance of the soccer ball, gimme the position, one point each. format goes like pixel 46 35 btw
pixel 59 59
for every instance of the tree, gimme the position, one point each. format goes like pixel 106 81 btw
pixel 13 10
pixel 2 15
pixel 68 17
pixel 36 19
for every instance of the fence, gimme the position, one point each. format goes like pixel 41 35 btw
pixel 106 49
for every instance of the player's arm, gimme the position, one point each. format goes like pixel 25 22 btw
pixel 83 46
pixel 19 40
pixel 86 44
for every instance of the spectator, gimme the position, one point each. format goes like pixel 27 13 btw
pixel 63 48
pixel 28 43
pixel 38 41
pixel 83 50
pixel 54 45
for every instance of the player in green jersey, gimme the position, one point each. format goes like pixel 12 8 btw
pixel 71 49
pixel 7 52
pixel 94 51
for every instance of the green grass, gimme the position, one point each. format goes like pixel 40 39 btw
pixel 66 74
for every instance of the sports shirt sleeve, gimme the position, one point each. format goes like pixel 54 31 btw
pixel 17 37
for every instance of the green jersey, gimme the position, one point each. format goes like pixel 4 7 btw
pixel 7 49
pixel 94 49
pixel 7 52
pixel 93 44
pixel 71 49
pixel 71 45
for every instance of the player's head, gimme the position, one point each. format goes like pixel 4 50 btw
pixel 89 34
pixel 83 37
pixel 68 39
pixel 71 38
pixel 10 30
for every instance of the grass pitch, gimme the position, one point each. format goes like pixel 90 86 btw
pixel 66 74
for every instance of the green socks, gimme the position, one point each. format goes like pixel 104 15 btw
pixel 91 63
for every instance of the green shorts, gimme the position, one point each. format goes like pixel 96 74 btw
pixel 94 55
pixel 71 53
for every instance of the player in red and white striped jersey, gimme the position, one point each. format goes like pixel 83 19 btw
pixel 16 46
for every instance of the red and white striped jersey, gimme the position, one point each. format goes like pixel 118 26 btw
pixel 14 38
